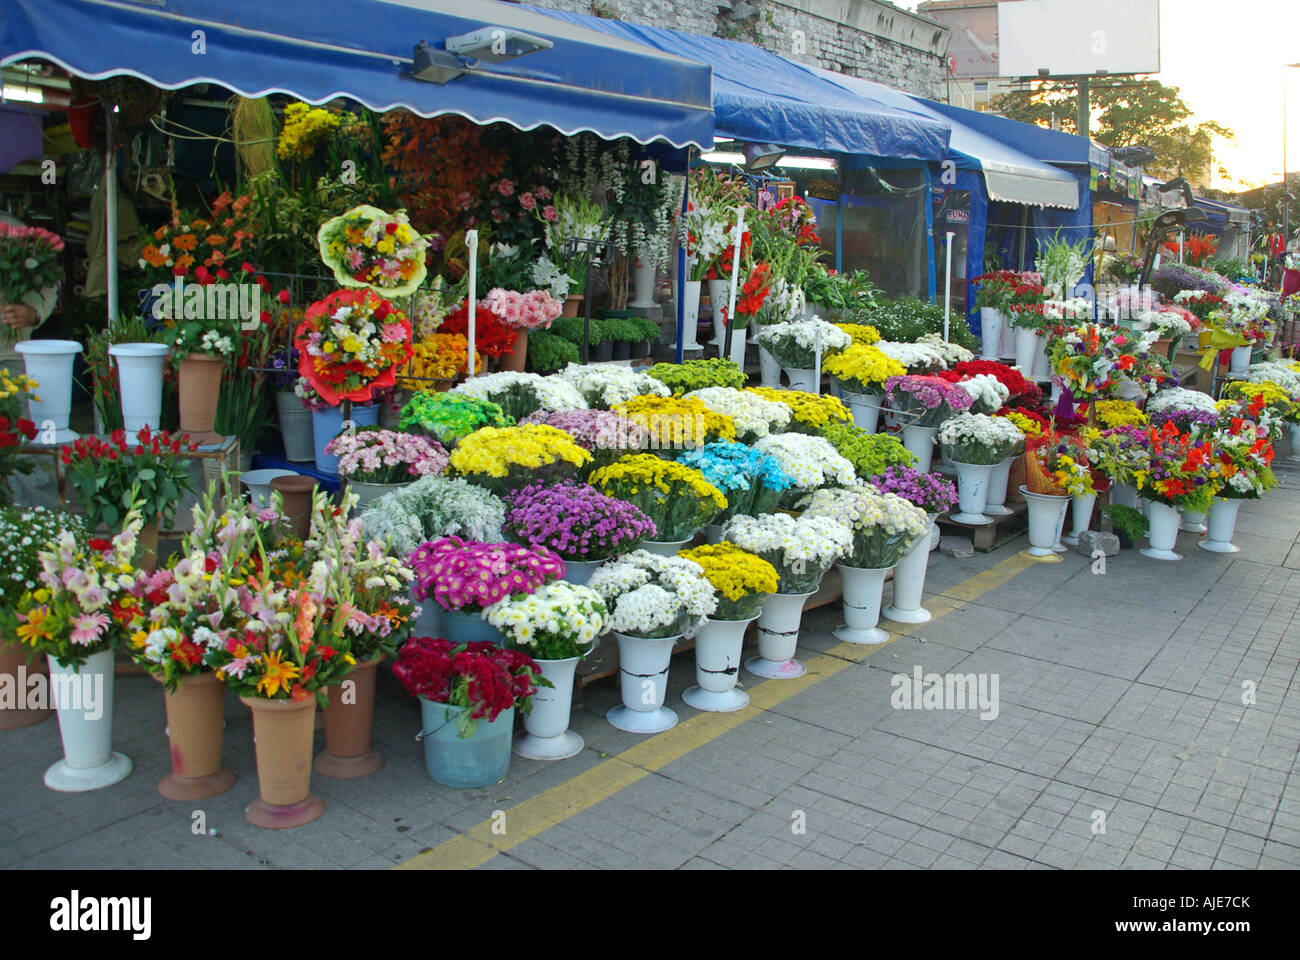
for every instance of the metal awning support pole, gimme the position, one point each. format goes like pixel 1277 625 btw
pixel 735 281
pixel 947 288
pixel 682 275
pixel 110 214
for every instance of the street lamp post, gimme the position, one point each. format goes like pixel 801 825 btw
pixel 1286 191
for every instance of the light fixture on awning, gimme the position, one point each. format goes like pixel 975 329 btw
pixel 436 66
pixel 496 44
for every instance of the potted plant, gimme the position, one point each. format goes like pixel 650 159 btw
pixel 622 331
pixel 1241 471
pixel 861 371
pixel 648 334
pixel 1170 483
pixel 934 494
pixel 522 312
pixel 375 461
pixel 676 498
pixel 107 477
pixel 548 353
pixel 201 352
pixel 653 602
pixel 741 581
pixel 577 522
pixel 24 532
pixel 502 459
pixel 925 402
pixel 977 443
pixel 811 462
pixel 752 481
pixel 557 625
pixel 468 695
pixel 796 344
pixel 801 550
pixel 1129 523
pixel 600 341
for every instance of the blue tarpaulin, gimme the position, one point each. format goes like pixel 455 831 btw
pixel 761 97
pixel 363 49
pixel 1049 146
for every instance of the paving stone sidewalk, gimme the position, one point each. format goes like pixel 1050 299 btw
pixel 1120 696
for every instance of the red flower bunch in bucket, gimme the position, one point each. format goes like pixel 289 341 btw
pixel 493 336
pixel 481 678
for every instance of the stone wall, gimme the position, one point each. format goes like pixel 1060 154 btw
pixel 863 38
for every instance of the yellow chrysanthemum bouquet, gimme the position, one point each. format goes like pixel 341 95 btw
pixel 860 332
pixel 863 368
pixel 741 580
pixel 811 413
pixel 676 423
pixel 1119 413
pixel 678 498
pixel 502 459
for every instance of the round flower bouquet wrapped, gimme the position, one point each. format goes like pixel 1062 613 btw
pixel 981 439
pixel 557 621
pixel 741 579
pixel 932 492
pixel 676 423
pixel 676 498
pixel 884 525
pixel 1243 313
pixel 870 453
pixel 654 597
pixel 693 375
pixel 801 550
pixel 375 455
pixel 754 416
pixel 368 247
pixel 1051 461
pixel 1243 456
pixel 795 343
pixel 1180 472
pixel 863 369
pixel 603 434
pixel 751 480
pixel 351 343
pixel 430 508
pixel 470 575
pixel 604 387
pixel 519 394
pixel 576 521
pixel 523 311
pixel 988 394
pixel 479 677
pixel 506 458
pixel 809 412
pixel 926 401
pixel 1260 401
pixel 449 417
pixel 1087 359
pixel 1028 422
pixel 1119 452
pixel 810 462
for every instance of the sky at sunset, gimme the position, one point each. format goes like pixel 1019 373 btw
pixel 1227 61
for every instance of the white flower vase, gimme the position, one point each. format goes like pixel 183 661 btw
pixel 713 533
pixel 909 582
pixel 991 321
pixel 718 648
pixel 643 281
pixel 920 441
pixel 801 379
pixel 1124 494
pixel 778 637
pixel 1007 350
pixel 1042 370
pixel 258 483
pixel 666 548
pixel 49 363
pixel 1081 514
pixel 580 571
pixel 738 344
pixel 1239 362
pixel 84 703
pixel 995 502
pixel 1046 514
pixel 643 680
pixel 719 292
pixel 546 733
pixel 140 382
pixel 972 492
pixel 1162 533
pixel 1222 525
pixel 863 590
pixel 690 314
pixel 1295 440
pixel 769 368
pixel 1026 346
pixel 865 408
pixel 1192 521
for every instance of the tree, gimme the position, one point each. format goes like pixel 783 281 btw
pixel 1127 111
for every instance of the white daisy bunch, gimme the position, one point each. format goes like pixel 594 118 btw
pixel 952 353
pixel 653 596
pixel 919 357
pixel 979 438
pixel 754 416
pixel 1072 308
pixel 1166 324
pixel 519 394
pixel 1180 398
pixel 558 621
pixel 884 525
pixel 795 342
pixel 24 532
pixel 214 342
pixel 802 549
pixel 988 393
pixel 603 387
pixel 431 508
pixel 810 461
pixel 1285 375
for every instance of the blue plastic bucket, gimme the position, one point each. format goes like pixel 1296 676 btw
pixel 328 423
pixel 476 761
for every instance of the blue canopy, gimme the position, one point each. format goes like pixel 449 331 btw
pixel 761 97
pixel 363 49
pixel 1049 146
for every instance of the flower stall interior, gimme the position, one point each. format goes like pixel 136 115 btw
pixel 367 401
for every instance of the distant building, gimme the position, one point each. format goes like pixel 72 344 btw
pixel 973 80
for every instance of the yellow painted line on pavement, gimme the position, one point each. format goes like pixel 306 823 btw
pixel 531 817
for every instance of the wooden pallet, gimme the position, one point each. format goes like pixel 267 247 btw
pixel 987 537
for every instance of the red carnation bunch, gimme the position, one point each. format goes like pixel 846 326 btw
pixel 480 677
pixel 1009 377
pixel 493 337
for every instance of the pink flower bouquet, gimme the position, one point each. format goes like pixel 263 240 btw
pixel 523 311
pixel 469 575
pixel 375 455
pixel 929 400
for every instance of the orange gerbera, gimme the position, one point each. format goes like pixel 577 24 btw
pixel 185 241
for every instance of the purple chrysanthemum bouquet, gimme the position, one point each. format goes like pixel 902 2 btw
pixel 929 491
pixel 926 400
pixel 469 575
pixel 604 434
pixel 576 521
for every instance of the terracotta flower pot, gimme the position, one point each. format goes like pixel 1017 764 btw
pixel 295 491
pixel 571 304
pixel 282 733
pixel 200 385
pixel 1016 479
pixel 349 721
pixel 515 359
pixel 196 713
pixel 14 666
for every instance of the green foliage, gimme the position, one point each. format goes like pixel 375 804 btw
pixel 621 330
pixel 682 378
pixel 548 352
pixel 870 453
pixel 907 319
pixel 1127 520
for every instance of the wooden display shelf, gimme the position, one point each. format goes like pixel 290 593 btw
pixel 986 537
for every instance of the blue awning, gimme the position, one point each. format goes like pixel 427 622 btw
pixel 761 97
pixel 362 49
pixel 1049 146
pixel 1009 175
